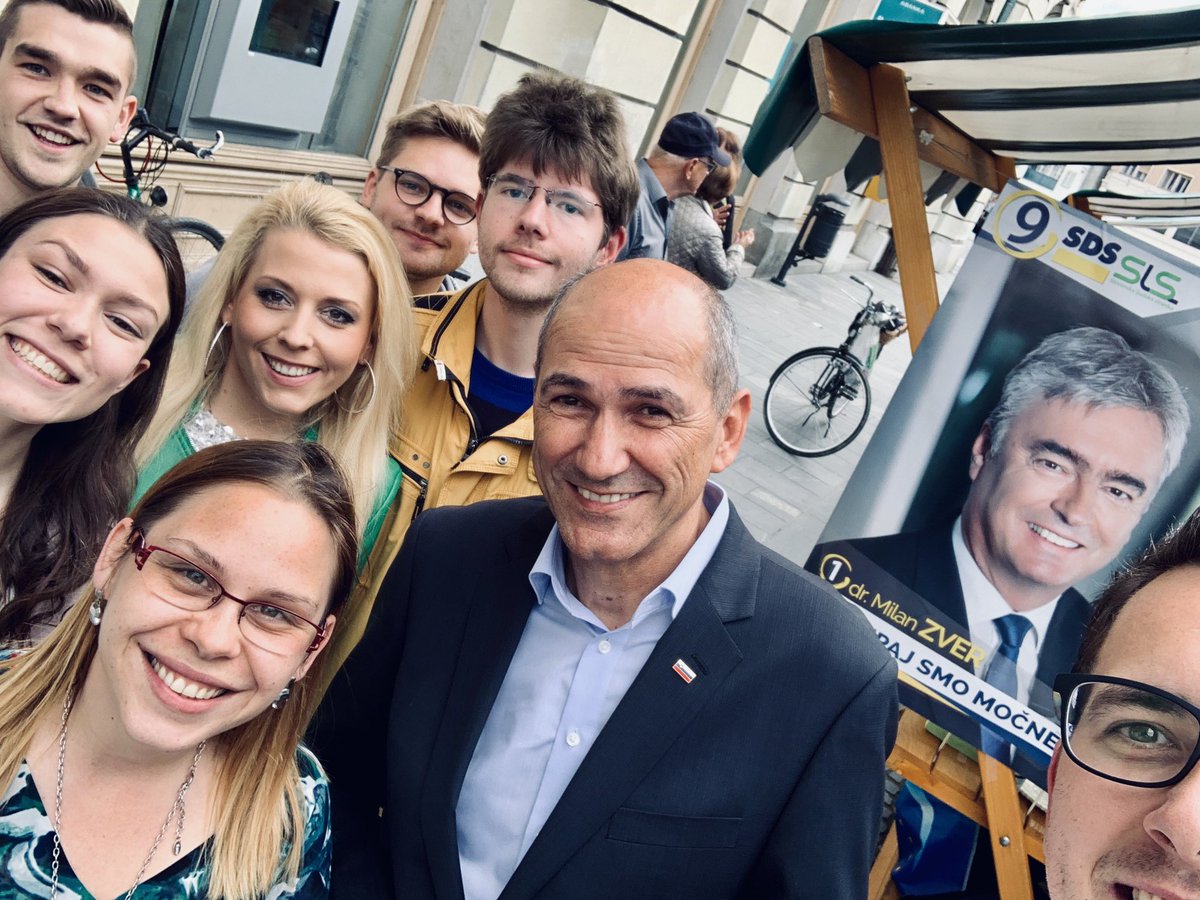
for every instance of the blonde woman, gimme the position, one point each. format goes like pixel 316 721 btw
pixel 149 746
pixel 303 331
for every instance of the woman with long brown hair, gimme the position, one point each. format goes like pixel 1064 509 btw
pixel 91 293
pixel 149 745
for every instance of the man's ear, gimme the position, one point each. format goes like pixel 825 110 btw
pixel 980 450
pixel 733 431
pixel 367 197
pixel 128 108
pixel 611 248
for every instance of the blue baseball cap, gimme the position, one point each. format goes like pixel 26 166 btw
pixel 692 136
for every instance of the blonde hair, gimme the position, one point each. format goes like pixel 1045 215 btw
pixel 357 440
pixel 257 801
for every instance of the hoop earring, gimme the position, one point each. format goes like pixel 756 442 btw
pixel 281 701
pixel 213 346
pixel 370 399
pixel 96 608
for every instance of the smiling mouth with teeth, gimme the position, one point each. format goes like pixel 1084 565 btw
pixel 181 685
pixel 1056 539
pixel 53 137
pixel 603 498
pixel 1138 894
pixel 278 365
pixel 39 361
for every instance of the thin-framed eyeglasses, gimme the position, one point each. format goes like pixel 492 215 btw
pixel 413 189
pixel 567 205
pixel 187 585
pixel 1126 731
pixel 709 164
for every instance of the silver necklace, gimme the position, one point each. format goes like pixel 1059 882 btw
pixel 177 806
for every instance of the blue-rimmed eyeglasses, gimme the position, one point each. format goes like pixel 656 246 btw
pixel 1127 731
pixel 182 583
pixel 567 206
pixel 413 189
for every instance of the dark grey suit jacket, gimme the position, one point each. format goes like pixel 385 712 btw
pixel 924 561
pixel 761 778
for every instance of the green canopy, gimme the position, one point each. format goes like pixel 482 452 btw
pixel 1103 91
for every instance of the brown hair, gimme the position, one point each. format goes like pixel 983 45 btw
pixel 78 476
pixel 554 121
pixel 720 181
pixel 458 122
pixel 257 804
pixel 1178 549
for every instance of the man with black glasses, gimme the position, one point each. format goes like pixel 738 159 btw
pixel 1124 819
pixel 425 190
pixel 558 188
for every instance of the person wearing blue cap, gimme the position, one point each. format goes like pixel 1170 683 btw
pixel 688 150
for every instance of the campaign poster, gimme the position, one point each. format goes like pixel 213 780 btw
pixel 1039 440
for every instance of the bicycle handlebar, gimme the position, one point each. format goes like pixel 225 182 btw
pixel 141 127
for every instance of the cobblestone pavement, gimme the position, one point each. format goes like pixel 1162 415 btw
pixel 786 500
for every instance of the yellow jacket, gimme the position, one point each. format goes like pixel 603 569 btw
pixel 443 460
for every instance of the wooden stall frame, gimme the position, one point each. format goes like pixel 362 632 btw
pixel 875 101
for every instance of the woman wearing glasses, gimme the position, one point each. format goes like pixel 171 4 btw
pixel 150 744
pixel 91 292
pixel 303 331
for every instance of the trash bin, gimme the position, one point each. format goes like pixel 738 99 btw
pixel 818 232
pixel 829 212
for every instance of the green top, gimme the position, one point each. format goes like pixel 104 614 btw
pixel 178 447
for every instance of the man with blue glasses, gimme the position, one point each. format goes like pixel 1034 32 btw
pixel 1124 819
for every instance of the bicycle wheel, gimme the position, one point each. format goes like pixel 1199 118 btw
pixel 817 402
pixel 198 241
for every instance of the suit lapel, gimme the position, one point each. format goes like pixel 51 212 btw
pixel 937 577
pixel 655 710
pixel 499 607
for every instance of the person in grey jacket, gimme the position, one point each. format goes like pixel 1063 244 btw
pixel 696 241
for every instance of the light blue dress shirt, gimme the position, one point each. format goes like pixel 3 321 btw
pixel 651 221
pixel 566 677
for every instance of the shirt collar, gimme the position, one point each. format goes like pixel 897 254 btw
pixel 987 604
pixel 654 188
pixel 548 575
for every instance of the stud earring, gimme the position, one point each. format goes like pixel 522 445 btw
pixel 281 701
pixel 96 608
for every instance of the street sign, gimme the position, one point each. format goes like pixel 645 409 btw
pixel 909 11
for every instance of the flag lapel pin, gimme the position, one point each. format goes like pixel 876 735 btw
pixel 684 671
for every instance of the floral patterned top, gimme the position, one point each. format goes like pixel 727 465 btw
pixel 27 840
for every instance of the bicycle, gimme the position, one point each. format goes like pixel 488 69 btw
pixel 818 400
pixel 197 240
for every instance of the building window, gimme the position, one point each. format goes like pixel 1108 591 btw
pixel 1175 182
pixel 1046 176
pixel 1135 172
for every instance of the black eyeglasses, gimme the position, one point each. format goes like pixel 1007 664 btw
pixel 413 189
pixel 180 582
pixel 1127 731
pixel 709 164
